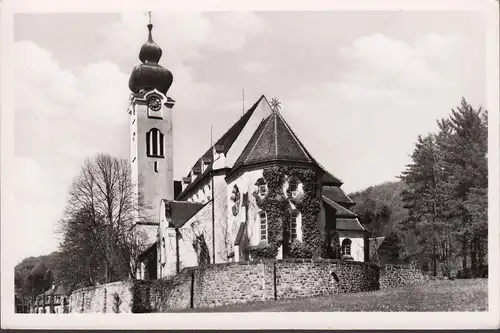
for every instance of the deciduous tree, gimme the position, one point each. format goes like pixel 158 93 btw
pixel 100 244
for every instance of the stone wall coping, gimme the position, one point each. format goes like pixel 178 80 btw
pixel 288 260
pixel 106 285
pixel 399 267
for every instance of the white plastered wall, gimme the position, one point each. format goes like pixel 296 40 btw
pixel 246 184
pixel 357 245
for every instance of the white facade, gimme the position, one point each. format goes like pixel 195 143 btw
pixel 151 152
pixel 357 243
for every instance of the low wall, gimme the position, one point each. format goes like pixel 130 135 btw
pixel 392 276
pixel 114 297
pixel 232 283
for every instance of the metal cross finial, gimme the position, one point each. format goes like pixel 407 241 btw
pixel 149 13
pixel 275 104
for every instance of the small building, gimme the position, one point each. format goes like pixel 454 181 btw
pixel 54 300
pixel 22 302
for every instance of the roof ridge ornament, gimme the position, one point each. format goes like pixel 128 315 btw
pixel 275 104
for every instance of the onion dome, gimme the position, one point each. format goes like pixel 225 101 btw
pixel 150 75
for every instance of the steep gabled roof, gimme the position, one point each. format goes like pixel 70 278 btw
pixel 273 141
pixel 56 291
pixel 181 211
pixel 349 224
pixel 340 210
pixel 224 143
pixel 329 179
pixel 336 194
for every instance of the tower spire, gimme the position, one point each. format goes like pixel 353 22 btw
pixel 150 74
pixel 150 27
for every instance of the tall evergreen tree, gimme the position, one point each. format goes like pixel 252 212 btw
pixel 447 190
pixel 466 158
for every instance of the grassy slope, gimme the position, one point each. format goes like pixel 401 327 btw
pixel 435 296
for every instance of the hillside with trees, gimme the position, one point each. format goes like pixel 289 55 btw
pixel 34 275
pixel 374 199
pixel 437 216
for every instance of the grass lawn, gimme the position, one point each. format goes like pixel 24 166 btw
pixel 440 295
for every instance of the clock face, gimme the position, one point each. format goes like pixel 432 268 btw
pixel 154 103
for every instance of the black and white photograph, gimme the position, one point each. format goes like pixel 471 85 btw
pixel 206 161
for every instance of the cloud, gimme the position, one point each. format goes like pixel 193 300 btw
pixel 381 61
pixel 389 92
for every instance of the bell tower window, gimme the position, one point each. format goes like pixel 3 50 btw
pixel 154 143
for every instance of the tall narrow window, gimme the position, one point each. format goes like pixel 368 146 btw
pixel 346 247
pixel 293 226
pixel 154 143
pixel 156 166
pixel 262 187
pixel 235 197
pixel 263 226
pixel 293 186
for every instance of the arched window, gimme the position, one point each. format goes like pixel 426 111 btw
pixel 235 197
pixel 263 226
pixel 294 225
pixel 346 247
pixel 293 184
pixel 154 143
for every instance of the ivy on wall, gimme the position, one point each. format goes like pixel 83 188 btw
pixel 277 206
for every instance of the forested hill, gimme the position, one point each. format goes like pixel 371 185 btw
pixel 32 272
pixel 374 198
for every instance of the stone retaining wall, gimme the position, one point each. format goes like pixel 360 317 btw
pixel 392 276
pixel 232 283
pixel 107 298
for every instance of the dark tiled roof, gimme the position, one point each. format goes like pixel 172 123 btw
pixel 336 194
pixel 199 180
pixel 329 179
pixel 150 248
pixel 273 141
pixel 349 224
pixel 241 232
pixel 340 210
pixel 181 211
pixel 224 143
pixel 56 291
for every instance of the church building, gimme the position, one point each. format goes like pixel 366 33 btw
pixel 256 193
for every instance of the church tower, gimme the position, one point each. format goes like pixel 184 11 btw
pixel 151 143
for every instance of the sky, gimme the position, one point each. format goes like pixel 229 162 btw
pixel 356 87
